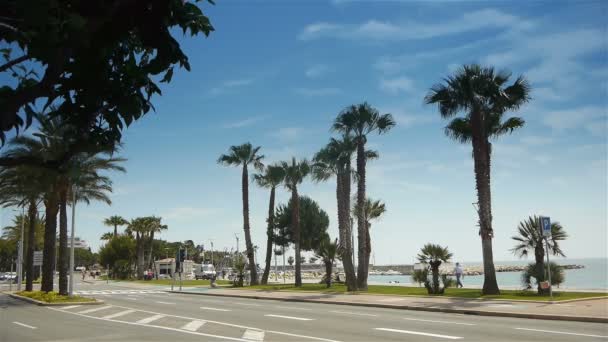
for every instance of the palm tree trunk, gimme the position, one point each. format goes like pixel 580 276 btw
pixel 246 228
pixel 50 235
pixel 115 230
pixel 481 156
pixel 295 221
pixel 539 256
pixel 368 251
pixel 150 265
pixel 361 226
pixel 140 254
pixel 31 241
pixel 269 234
pixel 435 270
pixel 328 272
pixel 62 262
pixel 346 250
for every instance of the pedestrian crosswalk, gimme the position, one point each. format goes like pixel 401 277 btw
pixel 115 292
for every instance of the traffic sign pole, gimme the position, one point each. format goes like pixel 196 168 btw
pixel 545 226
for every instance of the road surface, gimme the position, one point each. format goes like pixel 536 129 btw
pixel 149 314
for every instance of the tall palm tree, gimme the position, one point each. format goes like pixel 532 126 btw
pixel 272 177
pixel 295 173
pixel 531 240
pixel 243 156
pixel 156 227
pixel 327 252
pixel 360 121
pixel 484 96
pixel 115 221
pixel 372 210
pixel 434 255
pixel 141 227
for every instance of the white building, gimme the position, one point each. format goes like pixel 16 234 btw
pixel 167 266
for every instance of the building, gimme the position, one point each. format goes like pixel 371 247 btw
pixel 167 266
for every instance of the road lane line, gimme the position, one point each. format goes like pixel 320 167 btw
pixel 247 304
pixel 392 300
pixel 95 309
pixel 301 336
pixel 354 313
pixel 70 307
pixel 193 326
pixel 24 325
pixel 118 314
pixel 428 320
pixel 253 335
pixel 291 308
pixel 291 317
pixel 420 333
pixel 561 332
pixel 166 303
pixel 213 309
pixel 150 319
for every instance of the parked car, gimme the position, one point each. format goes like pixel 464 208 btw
pixel 205 271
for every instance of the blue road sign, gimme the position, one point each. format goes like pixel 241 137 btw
pixel 546 226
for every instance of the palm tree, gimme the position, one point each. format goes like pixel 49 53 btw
pixel 327 252
pixel 530 239
pixel 245 155
pixel 295 173
pixel 156 227
pixel 372 210
pixel 107 236
pixel 271 178
pixel 434 255
pixel 115 221
pixel 141 227
pixel 484 96
pixel 360 121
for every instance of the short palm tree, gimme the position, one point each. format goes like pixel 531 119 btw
pixel 271 177
pixel 156 227
pixel 107 236
pixel 141 227
pixel 243 156
pixel 372 210
pixel 295 173
pixel 360 121
pixel 115 221
pixel 327 252
pixel 433 255
pixel 484 96
pixel 530 240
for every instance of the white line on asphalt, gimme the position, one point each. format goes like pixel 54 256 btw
pixel 24 325
pixel 166 303
pixel 254 335
pixel 247 304
pixel 354 313
pixel 561 332
pixel 301 336
pixel 291 317
pixel 118 314
pixel 131 298
pixel 392 300
pixel 150 319
pixel 292 308
pixel 213 309
pixel 193 326
pixel 428 320
pixel 156 326
pixel 420 333
pixel 69 307
pixel 95 309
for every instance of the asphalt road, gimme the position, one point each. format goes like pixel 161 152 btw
pixel 152 315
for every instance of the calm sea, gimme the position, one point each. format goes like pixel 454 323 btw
pixel 593 276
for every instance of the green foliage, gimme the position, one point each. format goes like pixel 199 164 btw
pixel 13 232
pixel 53 297
pixel 290 260
pixel 244 154
pixel 530 238
pixel 119 254
pixel 84 257
pixel 239 267
pixel 8 251
pixel 539 273
pixel 314 222
pixel 420 276
pixel 434 255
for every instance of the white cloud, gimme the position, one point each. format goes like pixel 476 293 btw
pixel 592 118
pixel 317 71
pixel 188 213
pixel 288 133
pixel 536 140
pixel 226 85
pixel 318 91
pixel 388 31
pixel 396 85
pixel 244 122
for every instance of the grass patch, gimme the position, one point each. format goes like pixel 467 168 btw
pixel 53 297
pixel 421 291
pixel 190 282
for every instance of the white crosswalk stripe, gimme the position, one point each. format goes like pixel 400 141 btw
pixel 150 319
pixel 253 335
pixel 116 292
pixel 193 326
pixel 118 314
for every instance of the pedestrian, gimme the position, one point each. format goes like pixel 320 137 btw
pixel 459 274
pixel 84 273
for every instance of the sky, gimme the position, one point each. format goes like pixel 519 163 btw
pixel 276 74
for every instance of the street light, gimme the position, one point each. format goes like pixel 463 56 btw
pixel 71 283
pixel 20 251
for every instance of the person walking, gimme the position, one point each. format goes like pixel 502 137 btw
pixel 459 274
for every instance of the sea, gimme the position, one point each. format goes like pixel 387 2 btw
pixel 594 276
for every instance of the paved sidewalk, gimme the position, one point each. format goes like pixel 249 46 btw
pixel 592 310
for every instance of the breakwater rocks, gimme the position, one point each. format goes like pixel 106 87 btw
pixel 449 269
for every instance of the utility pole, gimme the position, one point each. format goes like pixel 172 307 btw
pixel 20 252
pixel 211 241
pixel 71 283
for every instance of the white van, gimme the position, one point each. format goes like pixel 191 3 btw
pixel 205 271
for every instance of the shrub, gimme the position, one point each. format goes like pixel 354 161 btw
pixel 536 271
pixel 420 276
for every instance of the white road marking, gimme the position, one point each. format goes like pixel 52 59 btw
pixel 254 335
pixel 392 300
pixel 247 304
pixel 291 308
pixel 291 317
pixel 354 313
pixel 193 326
pixel 420 333
pixel 118 314
pixel 166 303
pixel 131 298
pixel 24 325
pixel 69 307
pixel 561 332
pixel 213 309
pixel 428 320
pixel 95 309
pixel 150 319
pixel 301 336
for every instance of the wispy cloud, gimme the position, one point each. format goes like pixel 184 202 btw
pixel 536 140
pixel 387 31
pixel 318 91
pixel 245 122
pixel 317 71
pixel 187 213
pixel 288 134
pixel 592 118
pixel 396 85
pixel 229 84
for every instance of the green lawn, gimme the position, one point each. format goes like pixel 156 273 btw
pixel 421 291
pixel 53 297
pixel 167 282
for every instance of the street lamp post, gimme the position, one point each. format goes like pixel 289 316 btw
pixel 71 283
pixel 20 252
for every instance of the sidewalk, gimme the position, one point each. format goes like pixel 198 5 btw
pixel 590 310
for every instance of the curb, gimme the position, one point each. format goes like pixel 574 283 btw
pixel 417 308
pixel 37 302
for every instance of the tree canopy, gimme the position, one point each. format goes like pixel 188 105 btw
pixel 314 222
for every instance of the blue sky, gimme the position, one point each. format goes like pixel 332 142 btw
pixel 277 73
